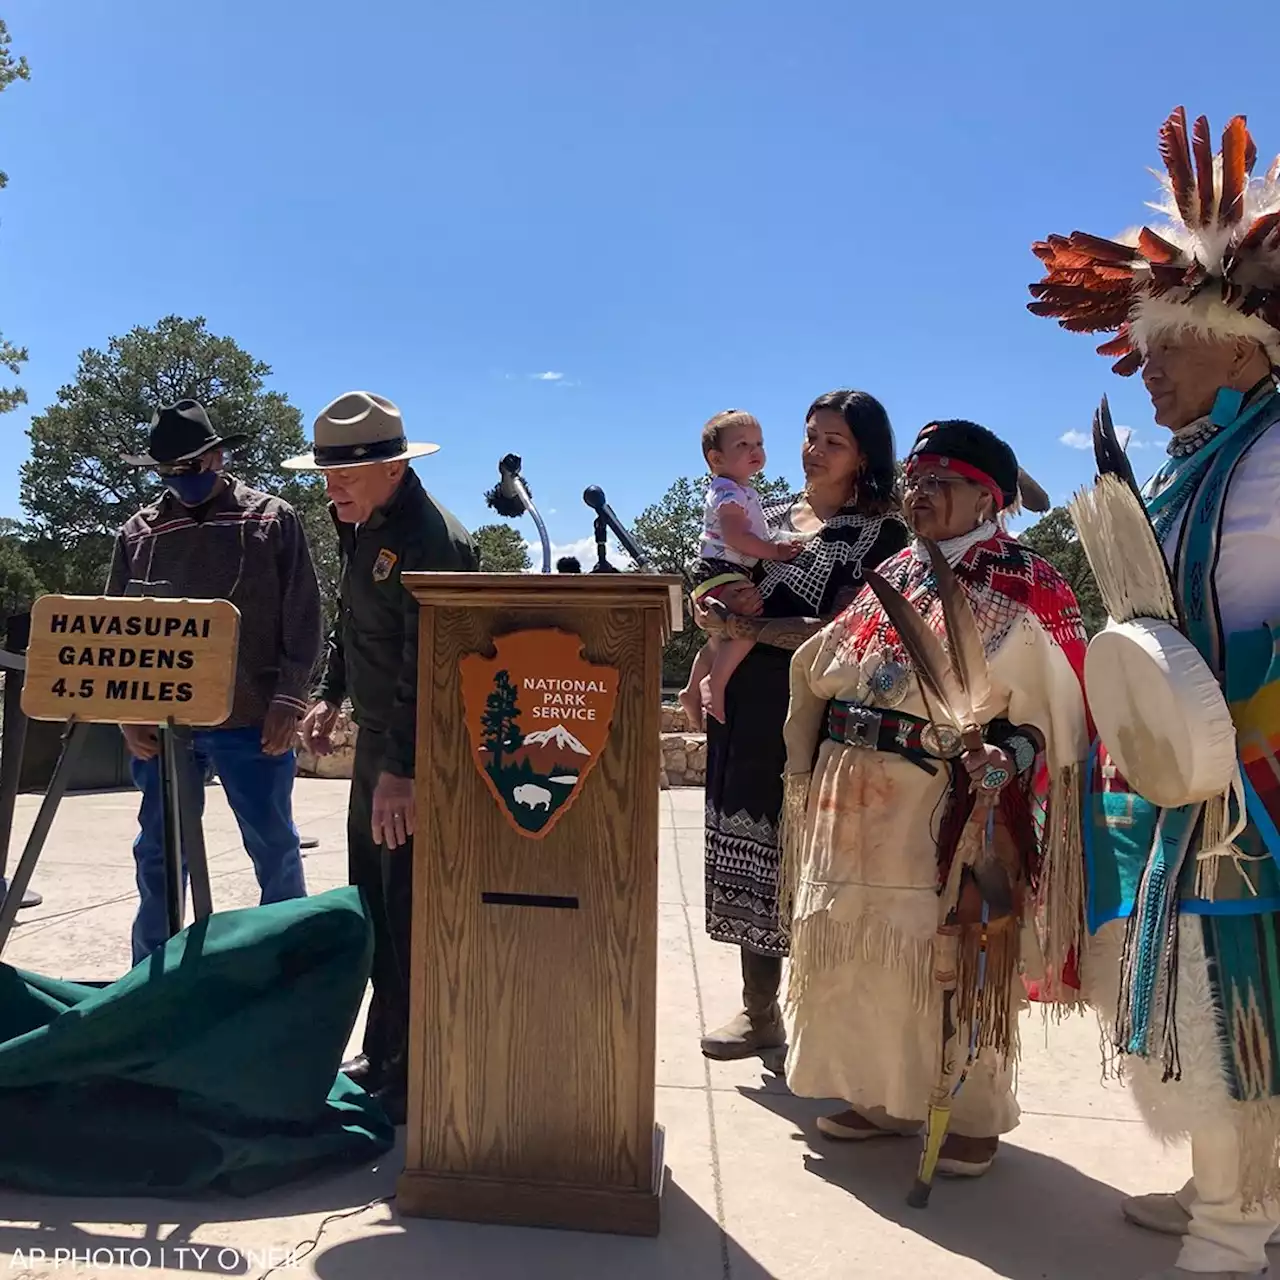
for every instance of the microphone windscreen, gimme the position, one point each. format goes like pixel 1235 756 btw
pixel 504 504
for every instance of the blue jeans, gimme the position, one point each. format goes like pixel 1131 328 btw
pixel 259 789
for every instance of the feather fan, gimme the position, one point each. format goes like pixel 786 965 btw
pixel 1108 454
pixel 928 658
pixel 946 693
pixel 1121 547
pixel 964 640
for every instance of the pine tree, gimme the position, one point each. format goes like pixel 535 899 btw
pixel 11 357
pixel 500 720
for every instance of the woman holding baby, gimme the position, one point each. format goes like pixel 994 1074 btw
pixel 845 519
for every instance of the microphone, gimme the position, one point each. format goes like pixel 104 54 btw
pixel 605 519
pixel 510 497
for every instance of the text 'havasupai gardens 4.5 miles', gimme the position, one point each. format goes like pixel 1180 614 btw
pixel 125 660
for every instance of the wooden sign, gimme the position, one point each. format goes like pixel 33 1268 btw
pixel 538 714
pixel 129 660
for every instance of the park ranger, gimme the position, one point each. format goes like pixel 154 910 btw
pixel 387 524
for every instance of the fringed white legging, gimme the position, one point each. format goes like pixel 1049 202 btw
pixel 1222 1237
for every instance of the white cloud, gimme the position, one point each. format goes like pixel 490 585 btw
pixel 549 376
pixel 1129 439
pixel 584 549
pixel 1126 436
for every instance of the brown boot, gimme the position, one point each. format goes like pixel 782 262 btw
pixel 759 1026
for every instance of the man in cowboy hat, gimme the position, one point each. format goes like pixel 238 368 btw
pixel 212 537
pixel 387 523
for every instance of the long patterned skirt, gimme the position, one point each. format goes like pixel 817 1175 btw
pixel 746 757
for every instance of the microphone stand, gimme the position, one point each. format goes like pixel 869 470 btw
pixel 607 522
pixel 537 520
pixel 602 545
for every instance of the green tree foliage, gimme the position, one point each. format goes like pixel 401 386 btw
pixel 669 532
pixel 500 721
pixel 1053 536
pixel 77 490
pixel 11 357
pixel 20 584
pixel 501 549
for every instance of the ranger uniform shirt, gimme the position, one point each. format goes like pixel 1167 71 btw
pixel 373 648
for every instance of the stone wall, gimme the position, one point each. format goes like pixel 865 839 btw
pixel 684 753
pixel 338 764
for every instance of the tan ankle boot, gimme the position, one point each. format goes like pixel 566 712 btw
pixel 758 1027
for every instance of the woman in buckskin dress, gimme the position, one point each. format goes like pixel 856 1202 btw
pixel 892 827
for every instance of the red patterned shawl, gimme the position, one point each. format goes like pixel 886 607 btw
pixel 1003 581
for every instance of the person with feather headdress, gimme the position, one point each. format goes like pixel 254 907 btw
pixel 929 818
pixel 1183 892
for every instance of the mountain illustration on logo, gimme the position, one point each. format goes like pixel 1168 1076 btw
pixel 539 715
pixel 553 750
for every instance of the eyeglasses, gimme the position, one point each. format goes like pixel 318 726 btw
pixel 930 486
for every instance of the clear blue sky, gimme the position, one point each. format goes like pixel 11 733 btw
pixel 677 207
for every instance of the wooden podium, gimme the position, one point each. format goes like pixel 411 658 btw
pixel 531 1052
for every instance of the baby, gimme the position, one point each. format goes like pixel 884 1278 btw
pixel 735 539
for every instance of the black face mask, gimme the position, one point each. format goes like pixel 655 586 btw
pixel 192 488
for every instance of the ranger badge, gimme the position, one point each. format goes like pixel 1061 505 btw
pixel 383 565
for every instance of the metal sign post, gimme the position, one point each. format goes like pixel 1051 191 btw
pixel 72 742
pixel 13 741
pixel 182 785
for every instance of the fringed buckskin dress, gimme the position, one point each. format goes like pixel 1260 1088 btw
pixel 879 833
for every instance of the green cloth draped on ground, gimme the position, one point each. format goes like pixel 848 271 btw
pixel 213 1065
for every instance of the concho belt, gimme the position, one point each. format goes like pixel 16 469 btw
pixel 874 729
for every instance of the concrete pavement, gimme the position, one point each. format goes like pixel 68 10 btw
pixel 753 1191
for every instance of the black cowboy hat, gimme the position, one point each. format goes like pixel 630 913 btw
pixel 179 433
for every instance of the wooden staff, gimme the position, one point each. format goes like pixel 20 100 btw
pixel 954 683
pixel 950 1081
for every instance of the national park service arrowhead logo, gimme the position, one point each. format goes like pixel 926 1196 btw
pixel 539 714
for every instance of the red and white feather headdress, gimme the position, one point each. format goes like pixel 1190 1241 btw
pixel 1214 267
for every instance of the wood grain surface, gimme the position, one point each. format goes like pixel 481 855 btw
pixel 532 1052
pixel 551 591
pixel 130 660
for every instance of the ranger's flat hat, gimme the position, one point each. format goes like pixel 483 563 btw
pixel 356 430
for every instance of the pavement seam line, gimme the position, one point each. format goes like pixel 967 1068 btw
pixel 717 1180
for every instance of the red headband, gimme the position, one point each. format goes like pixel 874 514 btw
pixel 965 469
